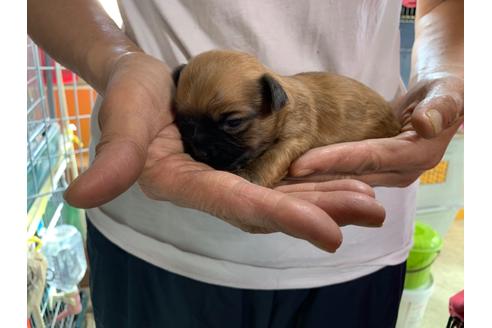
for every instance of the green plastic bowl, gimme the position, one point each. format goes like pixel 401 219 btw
pixel 427 244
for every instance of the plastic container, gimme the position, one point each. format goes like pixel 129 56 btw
pixel 413 304
pixel 426 246
pixel 64 250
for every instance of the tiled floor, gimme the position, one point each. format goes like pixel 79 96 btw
pixel 448 272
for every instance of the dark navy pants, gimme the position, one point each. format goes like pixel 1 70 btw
pixel 129 292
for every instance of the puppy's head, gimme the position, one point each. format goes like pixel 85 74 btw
pixel 228 108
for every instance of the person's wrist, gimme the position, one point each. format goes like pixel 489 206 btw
pixel 101 59
pixel 426 74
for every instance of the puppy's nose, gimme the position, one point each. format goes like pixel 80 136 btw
pixel 198 152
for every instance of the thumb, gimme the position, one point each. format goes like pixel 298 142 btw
pixel 116 167
pixel 126 130
pixel 442 107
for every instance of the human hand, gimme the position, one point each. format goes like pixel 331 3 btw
pixel 140 141
pixel 310 211
pixel 136 106
pixel 431 112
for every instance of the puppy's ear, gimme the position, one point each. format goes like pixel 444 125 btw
pixel 273 95
pixel 176 73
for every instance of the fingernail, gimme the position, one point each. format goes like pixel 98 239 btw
pixel 436 120
pixel 304 172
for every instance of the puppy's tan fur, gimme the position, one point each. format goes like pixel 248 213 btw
pixel 322 109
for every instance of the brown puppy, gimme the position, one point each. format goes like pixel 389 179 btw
pixel 235 114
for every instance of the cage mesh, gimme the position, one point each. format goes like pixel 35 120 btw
pixel 58 112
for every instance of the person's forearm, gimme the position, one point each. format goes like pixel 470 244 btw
pixel 80 35
pixel 438 47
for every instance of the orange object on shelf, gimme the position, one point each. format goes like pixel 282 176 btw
pixel 84 96
pixel 460 215
pixel 435 175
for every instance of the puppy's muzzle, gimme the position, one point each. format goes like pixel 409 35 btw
pixel 206 143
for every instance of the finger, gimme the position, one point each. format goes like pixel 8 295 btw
pixel 357 158
pixel 250 207
pixel 296 217
pixel 126 130
pixel 388 179
pixel 279 212
pixel 347 207
pixel 399 180
pixel 325 186
pixel 441 108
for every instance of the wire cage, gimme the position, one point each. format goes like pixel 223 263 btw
pixel 55 314
pixel 58 115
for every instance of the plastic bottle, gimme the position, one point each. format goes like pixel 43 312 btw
pixel 64 250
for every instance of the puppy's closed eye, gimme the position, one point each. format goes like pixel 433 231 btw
pixel 232 123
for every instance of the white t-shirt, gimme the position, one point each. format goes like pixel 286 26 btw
pixel 356 38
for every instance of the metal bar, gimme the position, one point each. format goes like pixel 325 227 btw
pixel 57 310
pixel 45 68
pixel 44 301
pixel 58 174
pixel 36 211
pixel 36 132
pixel 58 190
pixel 60 119
pixel 54 220
pixel 70 320
pixel 49 86
pixel 77 114
pixel 34 104
pixel 37 157
pixel 31 159
pixel 74 152
pixel 91 93
pixel 35 217
pixel 43 107
pixel 32 79
pixel 42 68
pixel 62 114
pixel 30 151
